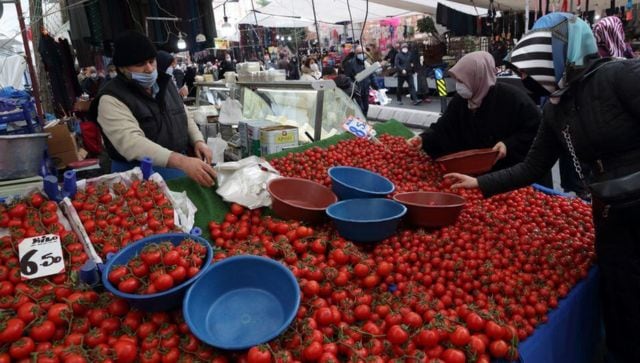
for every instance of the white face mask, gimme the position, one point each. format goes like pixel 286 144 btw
pixel 314 67
pixel 463 91
pixel 113 74
pixel 405 50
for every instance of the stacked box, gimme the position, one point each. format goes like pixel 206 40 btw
pixel 249 131
pixel 277 138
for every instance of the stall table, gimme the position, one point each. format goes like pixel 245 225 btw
pixel 573 332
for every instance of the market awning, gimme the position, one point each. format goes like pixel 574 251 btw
pixel 337 11
pixel 275 21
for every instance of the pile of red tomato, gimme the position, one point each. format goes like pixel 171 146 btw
pixel 115 216
pixel 58 319
pixel 465 293
pixel 159 267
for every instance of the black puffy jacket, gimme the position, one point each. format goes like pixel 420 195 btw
pixel 602 109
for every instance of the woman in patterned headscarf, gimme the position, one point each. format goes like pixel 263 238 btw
pixel 593 115
pixel 609 34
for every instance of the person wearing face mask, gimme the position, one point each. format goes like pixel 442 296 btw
pixel 92 84
pixel 592 114
pixel 309 72
pixel 141 114
pixel 405 68
pixel 169 64
pixel 111 72
pixel 483 114
pixel 357 65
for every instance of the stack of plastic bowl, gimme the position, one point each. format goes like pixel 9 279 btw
pixel 364 213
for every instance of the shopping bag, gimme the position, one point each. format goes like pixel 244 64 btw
pixel 245 182
pixel 217 146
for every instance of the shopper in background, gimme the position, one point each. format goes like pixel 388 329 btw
pixel 293 73
pixel 227 66
pixel 594 110
pixel 357 65
pixel 93 83
pixel 392 53
pixel 609 33
pixel 483 114
pixel 310 71
pixel 167 63
pixel 405 68
pixel 267 64
pixel 111 72
pixel 141 114
pixel 283 61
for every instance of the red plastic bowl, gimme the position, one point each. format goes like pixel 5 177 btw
pixel 301 199
pixel 472 162
pixel 431 209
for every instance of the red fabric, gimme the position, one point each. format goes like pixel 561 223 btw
pixel 565 6
pixel 91 137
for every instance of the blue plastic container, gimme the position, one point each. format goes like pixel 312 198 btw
pixel 352 183
pixel 161 301
pixel 242 301
pixel 366 220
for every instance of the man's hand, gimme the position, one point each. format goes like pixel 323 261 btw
pixel 196 169
pixel 415 142
pixel 501 148
pixel 199 171
pixel 462 181
pixel 203 152
pixel 184 91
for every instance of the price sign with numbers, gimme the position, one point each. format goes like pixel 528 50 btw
pixel 40 256
pixel 358 127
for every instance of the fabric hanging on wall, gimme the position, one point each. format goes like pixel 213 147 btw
pixel 95 24
pixel 458 22
pixel 62 78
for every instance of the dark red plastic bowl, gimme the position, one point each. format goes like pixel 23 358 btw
pixel 301 199
pixel 431 209
pixel 472 162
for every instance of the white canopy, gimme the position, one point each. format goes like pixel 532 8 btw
pixel 275 21
pixel 336 11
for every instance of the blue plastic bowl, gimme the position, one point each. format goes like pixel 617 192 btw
pixel 162 301
pixel 352 183
pixel 366 220
pixel 242 301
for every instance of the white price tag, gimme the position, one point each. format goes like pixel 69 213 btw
pixel 40 256
pixel 358 127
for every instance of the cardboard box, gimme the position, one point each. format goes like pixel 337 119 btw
pixel 249 131
pixel 62 145
pixel 277 138
pixel 61 140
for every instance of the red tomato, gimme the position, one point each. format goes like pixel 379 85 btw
pixel 259 354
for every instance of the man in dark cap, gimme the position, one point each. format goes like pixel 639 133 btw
pixel 141 114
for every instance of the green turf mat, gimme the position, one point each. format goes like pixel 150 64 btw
pixel 210 205
pixel 391 127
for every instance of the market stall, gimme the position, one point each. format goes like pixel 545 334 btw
pixel 391 298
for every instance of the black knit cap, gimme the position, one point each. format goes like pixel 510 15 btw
pixel 132 47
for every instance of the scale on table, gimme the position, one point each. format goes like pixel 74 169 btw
pixel 18 186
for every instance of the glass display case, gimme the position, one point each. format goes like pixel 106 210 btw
pixel 317 108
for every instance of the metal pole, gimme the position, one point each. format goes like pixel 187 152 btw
pixel 315 20
pixel 526 16
pixel 32 70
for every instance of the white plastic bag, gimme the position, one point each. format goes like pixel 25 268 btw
pixel 382 97
pixel 217 146
pixel 230 112
pixel 245 182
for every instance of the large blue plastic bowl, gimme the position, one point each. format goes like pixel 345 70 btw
pixel 352 183
pixel 366 220
pixel 162 301
pixel 242 301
